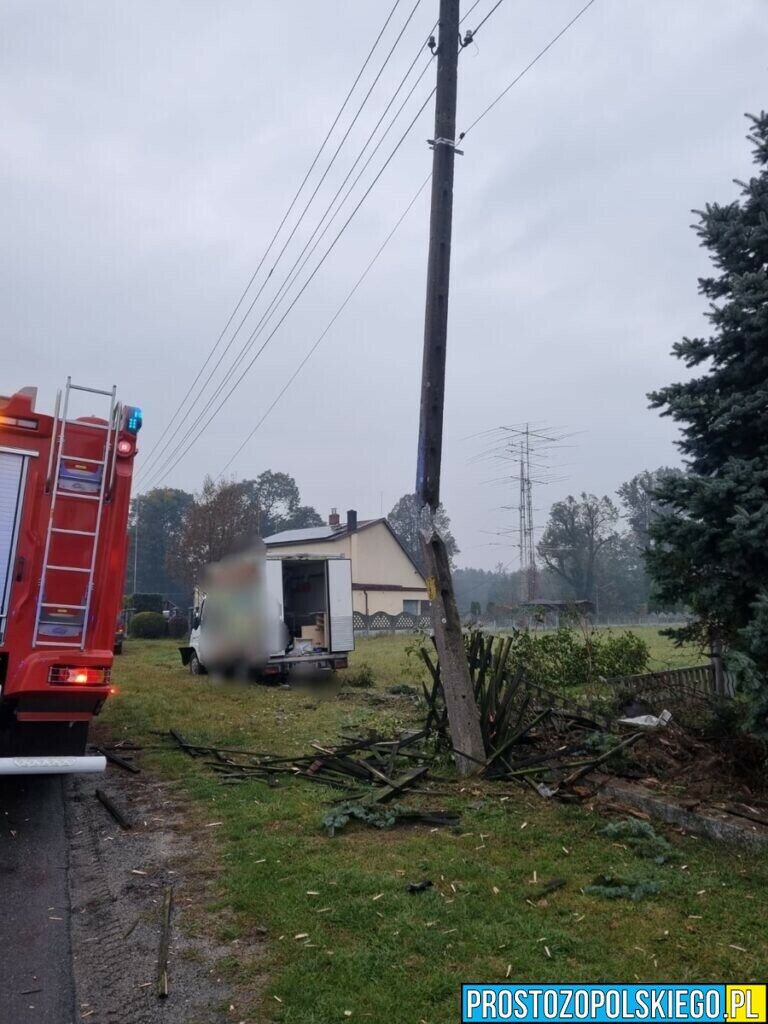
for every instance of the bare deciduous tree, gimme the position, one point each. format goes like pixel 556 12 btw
pixel 222 518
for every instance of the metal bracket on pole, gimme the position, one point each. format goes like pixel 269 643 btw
pixel 445 142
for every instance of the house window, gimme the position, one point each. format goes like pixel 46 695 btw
pixel 411 607
pixel 426 607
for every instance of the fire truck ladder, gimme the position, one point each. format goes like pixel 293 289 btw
pixel 106 466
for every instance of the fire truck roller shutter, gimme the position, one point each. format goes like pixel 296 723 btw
pixel 12 473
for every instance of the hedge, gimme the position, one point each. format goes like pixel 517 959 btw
pixel 148 626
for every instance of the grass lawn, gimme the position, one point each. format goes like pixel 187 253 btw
pixel 343 932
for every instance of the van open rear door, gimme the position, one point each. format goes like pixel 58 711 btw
pixel 342 634
pixel 275 608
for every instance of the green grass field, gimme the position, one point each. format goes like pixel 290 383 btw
pixel 343 933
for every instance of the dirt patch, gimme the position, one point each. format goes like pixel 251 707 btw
pixel 118 879
pixel 680 762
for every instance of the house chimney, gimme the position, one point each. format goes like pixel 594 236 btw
pixel 351 521
pixel 333 518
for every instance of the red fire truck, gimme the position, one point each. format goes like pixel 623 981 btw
pixel 65 483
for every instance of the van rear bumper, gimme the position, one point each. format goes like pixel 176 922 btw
pixel 285 663
pixel 54 765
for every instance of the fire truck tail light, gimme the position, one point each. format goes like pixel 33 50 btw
pixel 64 675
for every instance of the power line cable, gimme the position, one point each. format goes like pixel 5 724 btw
pixel 304 257
pixel 285 217
pixel 330 324
pixel 360 280
pixel 306 207
pixel 410 205
pixel 307 282
pixel 288 283
pixel 488 15
pixel 527 68
pixel 165 468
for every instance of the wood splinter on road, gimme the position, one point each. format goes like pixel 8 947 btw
pixel 113 809
pixel 165 943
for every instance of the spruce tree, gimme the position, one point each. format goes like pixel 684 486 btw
pixel 709 544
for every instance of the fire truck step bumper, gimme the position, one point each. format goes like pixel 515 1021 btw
pixel 54 765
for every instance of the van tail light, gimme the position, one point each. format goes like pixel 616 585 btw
pixel 66 675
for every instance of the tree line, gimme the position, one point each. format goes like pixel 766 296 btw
pixel 593 549
pixel 173 534
pixel 180 533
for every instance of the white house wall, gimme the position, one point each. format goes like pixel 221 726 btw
pixel 377 558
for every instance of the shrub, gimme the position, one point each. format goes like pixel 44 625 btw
pixel 621 654
pixel 178 627
pixel 362 678
pixel 148 626
pixel 568 657
pixel 146 602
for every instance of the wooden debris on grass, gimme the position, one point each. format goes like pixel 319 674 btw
pixel 532 736
pixel 119 761
pixel 365 767
pixel 165 943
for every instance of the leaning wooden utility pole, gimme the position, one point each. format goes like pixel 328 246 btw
pixel 460 702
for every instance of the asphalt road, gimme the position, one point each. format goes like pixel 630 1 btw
pixel 36 983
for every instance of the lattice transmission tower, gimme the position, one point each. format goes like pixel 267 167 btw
pixel 528 448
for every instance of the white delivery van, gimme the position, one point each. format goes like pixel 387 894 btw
pixel 269 616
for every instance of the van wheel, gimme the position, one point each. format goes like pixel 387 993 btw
pixel 195 667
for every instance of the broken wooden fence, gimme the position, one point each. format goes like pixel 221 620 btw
pixel 697 684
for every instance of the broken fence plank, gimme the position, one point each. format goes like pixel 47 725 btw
pixel 398 785
pixel 581 772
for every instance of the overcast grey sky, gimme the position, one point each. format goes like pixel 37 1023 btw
pixel 149 150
